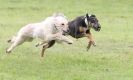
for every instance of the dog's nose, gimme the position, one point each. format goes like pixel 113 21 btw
pixel 99 27
pixel 65 32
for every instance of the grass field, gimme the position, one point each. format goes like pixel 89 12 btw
pixel 111 59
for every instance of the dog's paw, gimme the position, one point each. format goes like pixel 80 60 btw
pixel 89 45
pixel 70 42
pixel 93 43
pixel 8 51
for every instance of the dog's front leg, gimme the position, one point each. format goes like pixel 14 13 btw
pixel 40 43
pixel 47 39
pixel 62 38
pixel 91 40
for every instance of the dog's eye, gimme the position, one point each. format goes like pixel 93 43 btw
pixel 62 24
pixel 93 21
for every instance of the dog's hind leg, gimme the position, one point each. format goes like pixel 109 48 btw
pixel 65 39
pixel 18 41
pixel 43 49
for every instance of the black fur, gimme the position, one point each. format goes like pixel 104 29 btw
pixel 74 27
pixel 51 43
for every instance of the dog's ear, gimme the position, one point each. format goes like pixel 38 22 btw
pixel 87 15
pixel 55 21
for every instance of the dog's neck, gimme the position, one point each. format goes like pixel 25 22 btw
pixel 87 22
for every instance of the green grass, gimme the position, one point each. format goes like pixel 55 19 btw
pixel 111 59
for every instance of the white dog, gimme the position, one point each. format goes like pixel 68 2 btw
pixel 49 29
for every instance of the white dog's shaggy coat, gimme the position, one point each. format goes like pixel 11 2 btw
pixel 49 29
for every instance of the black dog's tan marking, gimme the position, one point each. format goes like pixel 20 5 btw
pixel 80 27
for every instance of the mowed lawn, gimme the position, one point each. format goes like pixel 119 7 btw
pixel 111 59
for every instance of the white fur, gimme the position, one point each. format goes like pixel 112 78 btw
pixel 49 29
pixel 86 22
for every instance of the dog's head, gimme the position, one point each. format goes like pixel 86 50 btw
pixel 61 22
pixel 92 21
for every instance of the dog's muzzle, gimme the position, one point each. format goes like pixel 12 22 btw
pixel 97 27
pixel 65 32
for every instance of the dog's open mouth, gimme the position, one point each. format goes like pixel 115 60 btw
pixel 65 32
pixel 97 29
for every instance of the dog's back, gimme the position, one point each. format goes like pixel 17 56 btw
pixel 74 27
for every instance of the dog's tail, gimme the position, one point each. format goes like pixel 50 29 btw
pixel 12 39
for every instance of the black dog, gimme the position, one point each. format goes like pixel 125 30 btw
pixel 80 27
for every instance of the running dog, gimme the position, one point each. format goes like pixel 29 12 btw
pixel 81 26
pixel 49 29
